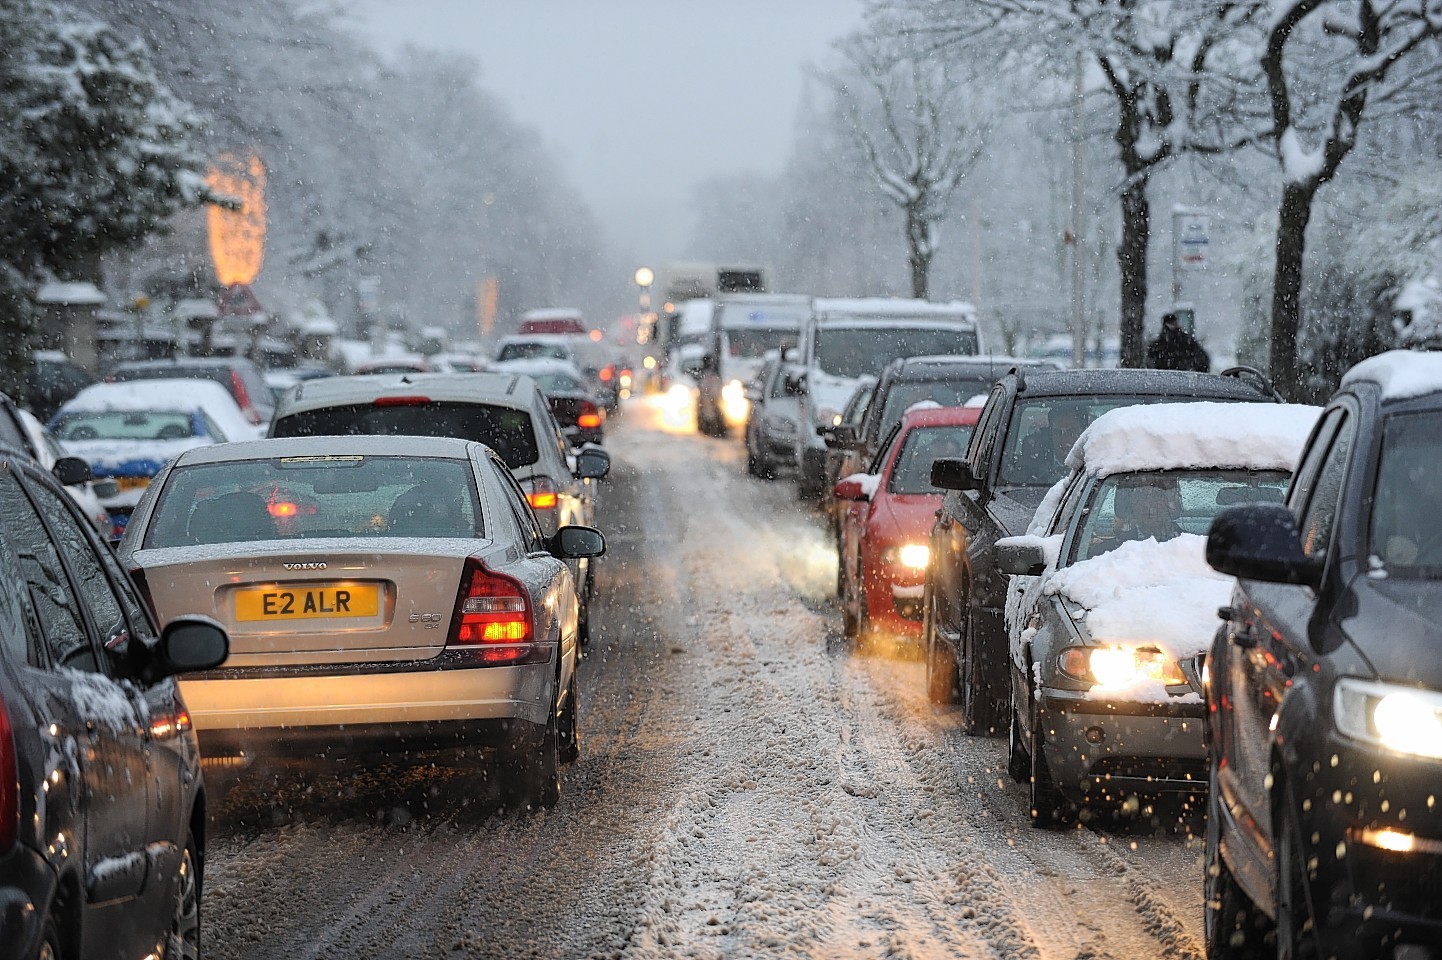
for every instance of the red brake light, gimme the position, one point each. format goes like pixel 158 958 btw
pixel 9 784
pixel 242 397
pixel 607 373
pixel 402 401
pixel 542 494
pixel 493 613
pixel 590 417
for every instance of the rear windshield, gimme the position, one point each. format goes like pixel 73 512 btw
pixel 856 352
pixel 533 350
pixel 558 383
pixel 123 425
pixel 294 498
pixel 921 446
pixel 506 430
pixel 1407 509
pixel 755 343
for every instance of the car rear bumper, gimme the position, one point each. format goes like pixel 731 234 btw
pixel 1108 749
pixel 286 707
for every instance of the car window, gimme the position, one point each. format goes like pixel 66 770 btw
pixel 1316 452
pixel 124 425
pixel 921 447
pixel 18 632
pixel 1042 431
pixel 883 452
pixel 985 433
pixel 11 432
pixel 533 537
pixel 506 430
pixel 1319 516
pixel 292 498
pixel 947 393
pixel 57 609
pixel 1406 527
pixel 213 429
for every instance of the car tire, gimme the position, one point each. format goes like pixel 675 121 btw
pixel 531 770
pixel 1018 761
pixel 941 675
pixel 1235 928
pixel 1298 934
pixel 51 947
pixel 1049 809
pixel 569 726
pixel 183 940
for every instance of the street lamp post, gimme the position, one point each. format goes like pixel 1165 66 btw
pixel 645 330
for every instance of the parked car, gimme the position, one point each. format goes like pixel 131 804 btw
pixel 882 547
pixel 383 595
pixel 743 327
pixel 771 418
pixel 1112 595
pixel 1325 689
pixel 845 340
pixel 102 802
pixel 507 412
pixel 240 377
pixel 575 406
pixel 127 431
pixel 54 379
pixel 1027 427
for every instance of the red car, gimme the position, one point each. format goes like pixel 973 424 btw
pixel 887 524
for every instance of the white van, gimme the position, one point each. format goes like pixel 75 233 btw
pixel 743 327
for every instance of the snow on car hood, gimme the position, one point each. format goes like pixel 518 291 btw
pixel 1145 591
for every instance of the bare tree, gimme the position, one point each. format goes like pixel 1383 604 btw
pixel 913 119
pixel 1379 35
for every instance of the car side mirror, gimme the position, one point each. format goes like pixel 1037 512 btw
pixel 71 471
pixel 1260 541
pixel 850 489
pixel 1021 556
pixel 840 437
pixel 187 644
pixel 592 463
pixel 951 473
pixel 795 383
pixel 577 543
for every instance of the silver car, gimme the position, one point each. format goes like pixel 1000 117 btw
pixel 383 594
pixel 505 411
pixel 1112 596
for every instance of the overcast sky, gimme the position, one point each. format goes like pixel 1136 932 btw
pixel 637 99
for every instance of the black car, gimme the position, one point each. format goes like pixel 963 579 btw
pixel 54 379
pixel 1325 688
pixel 1017 452
pixel 240 377
pixel 102 805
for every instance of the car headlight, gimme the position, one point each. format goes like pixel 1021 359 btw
pixel 827 417
pixel 913 555
pixel 1402 719
pixel 1116 667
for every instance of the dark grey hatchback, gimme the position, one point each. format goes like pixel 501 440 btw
pixel 1324 687
pixel 102 806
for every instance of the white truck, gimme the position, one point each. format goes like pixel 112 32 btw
pixel 848 339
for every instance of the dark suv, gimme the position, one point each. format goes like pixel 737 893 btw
pixel 102 806
pixel 1017 453
pixel 1324 687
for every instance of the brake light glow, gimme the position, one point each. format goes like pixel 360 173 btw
pixel 542 495
pixel 242 398
pixel 401 401
pixel 493 617
pixel 590 417
pixel 9 784
pixel 607 373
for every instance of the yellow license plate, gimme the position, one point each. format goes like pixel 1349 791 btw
pixel 132 483
pixel 307 602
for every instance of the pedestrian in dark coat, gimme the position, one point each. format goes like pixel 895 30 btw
pixel 1175 349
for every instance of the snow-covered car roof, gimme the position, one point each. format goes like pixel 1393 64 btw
pixel 832 309
pixel 173 394
pixel 357 446
pixel 1401 374
pixel 563 339
pixel 534 365
pixel 1179 436
pixel 498 389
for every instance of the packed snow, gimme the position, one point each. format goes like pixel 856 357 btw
pixel 1400 373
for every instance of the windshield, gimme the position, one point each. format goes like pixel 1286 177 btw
pixel 1162 505
pixel 124 425
pixel 301 497
pixel 911 473
pixel 858 351
pixel 506 430
pixel 755 342
pixel 1406 528
pixel 946 393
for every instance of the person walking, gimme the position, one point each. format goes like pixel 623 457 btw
pixel 1175 349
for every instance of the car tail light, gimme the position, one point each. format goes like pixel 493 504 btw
pixel 402 401
pixel 542 494
pixel 493 617
pixel 9 784
pixel 590 417
pixel 607 373
pixel 242 397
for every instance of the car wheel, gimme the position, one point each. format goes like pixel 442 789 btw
pixel 531 770
pixel 569 727
pixel 941 675
pixel 1235 928
pixel 1049 808
pixel 1018 762
pixel 980 715
pixel 183 941
pixel 1297 933
pixel 50 942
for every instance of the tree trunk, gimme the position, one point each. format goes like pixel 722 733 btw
pixel 1295 214
pixel 919 253
pixel 1132 264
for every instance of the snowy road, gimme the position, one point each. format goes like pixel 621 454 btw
pixel 749 787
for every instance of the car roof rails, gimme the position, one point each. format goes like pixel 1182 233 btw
pixel 1257 378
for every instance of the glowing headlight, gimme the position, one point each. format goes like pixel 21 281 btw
pixel 913 555
pixel 734 405
pixel 827 417
pixel 1403 719
pixel 1119 667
